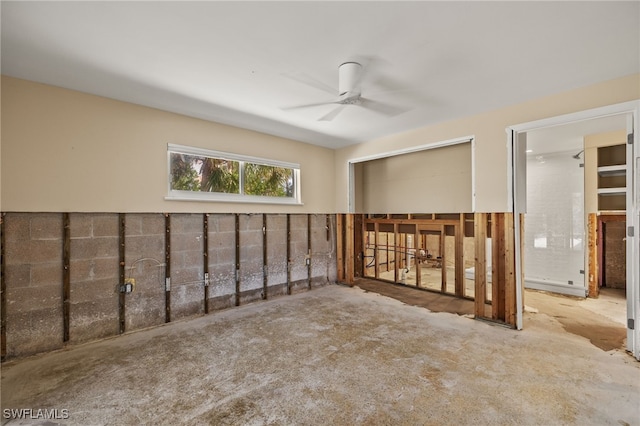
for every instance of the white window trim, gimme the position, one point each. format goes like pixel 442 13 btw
pixel 177 195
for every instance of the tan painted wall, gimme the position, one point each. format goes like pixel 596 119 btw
pixel 68 151
pixel 489 130
pixel 435 181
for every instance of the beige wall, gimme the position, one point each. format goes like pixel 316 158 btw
pixel 489 130
pixel 68 151
pixel 434 181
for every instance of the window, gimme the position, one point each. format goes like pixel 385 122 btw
pixel 200 174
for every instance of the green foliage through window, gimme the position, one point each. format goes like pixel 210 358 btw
pixel 196 172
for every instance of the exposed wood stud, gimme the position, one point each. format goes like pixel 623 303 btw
pixel 308 259
pixel 443 260
pixel 237 260
pixel 509 270
pixel 328 225
pixel 205 260
pixel 167 268
pixel 376 251
pixel 593 255
pixel 122 263
pixel 396 263
pixel 480 241
pixel 459 256
pixel 265 258
pixel 349 249
pixel 340 247
pixel 3 289
pixel 288 253
pixel 416 246
pixel 66 275
pixel 498 275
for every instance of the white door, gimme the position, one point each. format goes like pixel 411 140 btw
pixel 633 241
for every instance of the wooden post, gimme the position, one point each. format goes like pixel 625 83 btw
pixel 376 260
pixel 122 230
pixel 349 250
pixel 205 260
pixel 459 263
pixel 592 246
pixel 480 242
pixel 167 268
pixel 66 276
pixel 509 270
pixel 340 246
pixel 396 260
pixel 443 261
pixel 498 268
pixel 416 252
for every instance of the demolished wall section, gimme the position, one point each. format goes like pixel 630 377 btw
pixel 66 275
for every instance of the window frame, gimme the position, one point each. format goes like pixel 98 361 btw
pixel 241 197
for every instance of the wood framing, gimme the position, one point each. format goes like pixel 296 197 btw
pixel 340 240
pixel 349 250
pixel 592 238
pixel 480 269
pixel 509 269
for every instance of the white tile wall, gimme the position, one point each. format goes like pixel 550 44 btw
pixel 554 222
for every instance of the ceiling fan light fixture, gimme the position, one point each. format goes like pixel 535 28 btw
pixel 348 77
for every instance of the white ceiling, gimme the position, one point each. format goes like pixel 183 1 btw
pixel 240 62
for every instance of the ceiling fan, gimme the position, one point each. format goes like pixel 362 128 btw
pixel 350 76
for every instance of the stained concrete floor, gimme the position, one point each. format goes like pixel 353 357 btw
pixel 335 355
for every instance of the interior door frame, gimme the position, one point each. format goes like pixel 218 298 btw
pixel 517 202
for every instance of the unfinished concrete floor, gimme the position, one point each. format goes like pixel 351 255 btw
pixel 335 355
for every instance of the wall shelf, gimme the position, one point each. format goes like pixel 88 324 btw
pixel 612 191
pixel 615 170
pixel 612 177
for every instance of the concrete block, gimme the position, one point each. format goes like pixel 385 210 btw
pixel 277 290
pixel 46 226
pixel 33 331
pixel 249 296
pixel 87 291
pixel 185 223
pixel 81 225
pixel 18 275
pixel 93 319
pixel 106 225
pixel 33 251
pixel 187 300
pixel 17 227
pixel 144 259
pixel 26 299
pixel 91 248
pixel 222 282
pixel 46 274
pixel 277 249
pixel 221 302
pixel 94 269
pixel 144 308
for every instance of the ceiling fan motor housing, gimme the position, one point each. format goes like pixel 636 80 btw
pixel 348 77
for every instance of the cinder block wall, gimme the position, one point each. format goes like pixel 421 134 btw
pixel 62 273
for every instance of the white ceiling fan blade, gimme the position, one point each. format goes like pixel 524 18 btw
pixel 333 113
pixel 382 108
pixel 287 108
pixel 310 81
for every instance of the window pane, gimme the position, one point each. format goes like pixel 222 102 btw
pixel 204 174
pixel 268 181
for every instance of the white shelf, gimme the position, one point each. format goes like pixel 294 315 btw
pixel 612 191
pixel 617 170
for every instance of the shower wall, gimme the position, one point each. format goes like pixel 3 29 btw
pixel 554 223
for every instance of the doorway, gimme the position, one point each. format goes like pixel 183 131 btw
pixel 592 122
